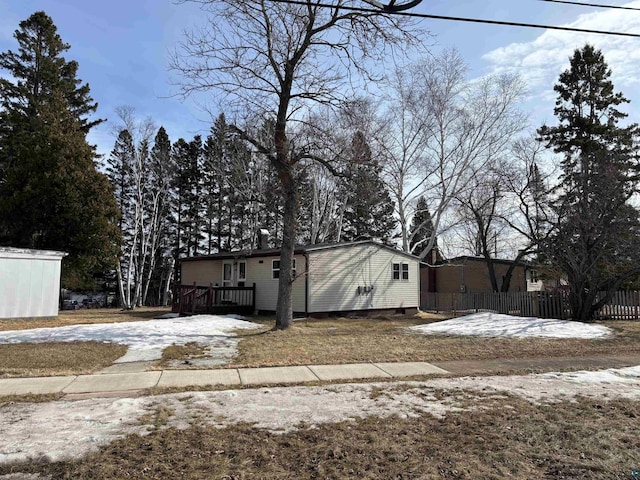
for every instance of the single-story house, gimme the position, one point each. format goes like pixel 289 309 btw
pixel 351 277
pixel 468 274
pixel 29 282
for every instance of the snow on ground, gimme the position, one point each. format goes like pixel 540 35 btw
pixel 146 339
pixel 499 325
pixel 70 429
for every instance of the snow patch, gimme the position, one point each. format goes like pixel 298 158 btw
pixel 500 325
pixel 70 429
pixel 146 339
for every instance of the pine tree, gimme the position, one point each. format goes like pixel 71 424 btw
pixel 119 168
pixel 596 234
pixel 161 171
pixel 369 212
pixel 421 229
pixel 51 195
pixel 214 185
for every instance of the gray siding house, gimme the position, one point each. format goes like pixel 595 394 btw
pixel 353 277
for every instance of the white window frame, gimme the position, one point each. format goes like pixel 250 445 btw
pixel 534 276
pixel 401 270
pixel 244 277
pixel 227 282
pixel 274 269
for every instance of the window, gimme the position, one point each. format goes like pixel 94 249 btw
pixel 275 268
pixel 400 271
pixel 242 271
pixel 534 276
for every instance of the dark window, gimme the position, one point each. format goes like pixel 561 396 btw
pixel 275 268
pixel 400 271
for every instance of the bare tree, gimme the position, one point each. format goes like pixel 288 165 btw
pixel 505 209
pixel 138 237
pixel 278 58
pixel 448 128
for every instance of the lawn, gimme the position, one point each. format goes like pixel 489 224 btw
pixel 66 358
pixel 56 358
pixel 383 339
pixel 84 316
pixel 312 341
pixel 500 438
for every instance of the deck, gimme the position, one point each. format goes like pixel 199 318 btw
pixel 194 299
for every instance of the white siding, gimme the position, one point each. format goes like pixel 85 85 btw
pixel 336 273
pixel 29 283
pixel 267 287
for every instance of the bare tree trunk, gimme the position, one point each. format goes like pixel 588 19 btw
pixel 168 281
pixel 121 299
pixel 284 310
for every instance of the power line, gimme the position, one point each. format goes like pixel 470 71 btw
pixel 599 5
pixel 461 19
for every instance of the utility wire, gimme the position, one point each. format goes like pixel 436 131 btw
pixel 599 5
pixel 460 19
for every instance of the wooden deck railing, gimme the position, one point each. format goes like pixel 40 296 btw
pixel 189 299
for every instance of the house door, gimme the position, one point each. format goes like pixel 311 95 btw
pixel 227 274
pixel 227 279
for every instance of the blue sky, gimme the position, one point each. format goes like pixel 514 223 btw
pixel 123 47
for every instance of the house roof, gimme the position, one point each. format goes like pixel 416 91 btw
pixel 11 252
pixel 302 249
pixel 469 258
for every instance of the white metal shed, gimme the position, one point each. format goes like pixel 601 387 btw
pixel 29 282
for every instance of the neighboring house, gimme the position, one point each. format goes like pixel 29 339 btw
pixel 351 277
pixel 29 282
pixel 469 275
pixel 540 279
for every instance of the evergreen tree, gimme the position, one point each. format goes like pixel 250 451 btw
pixel 161 171
pixel 119 168
pixel 180 155
pixel 596 234
pixel 214 186
pixel 421 228
pixel 369 212
pixel 193 220
pixel 51 195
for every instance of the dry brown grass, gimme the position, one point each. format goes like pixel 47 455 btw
pixel 30 398
pixel 183 352
pixel 56 358
pixel 383 339
pixel 84 316
pixel 509 438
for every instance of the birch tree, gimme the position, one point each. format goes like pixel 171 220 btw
pixel 443 130
pixel 277 58
pixel 130 157
pixel 160 174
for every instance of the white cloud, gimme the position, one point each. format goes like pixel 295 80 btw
pixel 540 61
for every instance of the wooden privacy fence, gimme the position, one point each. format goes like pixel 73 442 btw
pixel 194 299
pixel 622 306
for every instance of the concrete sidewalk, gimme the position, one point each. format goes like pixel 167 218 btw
pixel 132 381
pixel 127 382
